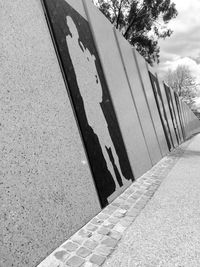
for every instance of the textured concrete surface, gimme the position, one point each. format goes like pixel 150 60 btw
pixel 45 179
pixel 167 231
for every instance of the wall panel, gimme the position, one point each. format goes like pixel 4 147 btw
pixel 161 109
pixel 139 97
pixel 91 99
pixel 151 102
pixel 177 116
pixel 172 112
pixel 168 114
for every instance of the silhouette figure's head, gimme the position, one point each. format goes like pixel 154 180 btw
pixel 72 27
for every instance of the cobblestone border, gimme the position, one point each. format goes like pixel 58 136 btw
pixel 94 242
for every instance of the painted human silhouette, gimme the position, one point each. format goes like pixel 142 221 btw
pixel 91 91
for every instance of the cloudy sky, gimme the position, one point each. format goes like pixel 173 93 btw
pixel 183 47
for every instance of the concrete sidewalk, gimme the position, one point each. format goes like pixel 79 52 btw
pixel 167 231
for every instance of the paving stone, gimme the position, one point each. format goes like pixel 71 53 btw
pixel 130 190
pixel 142 189
pixel 122 198
pixel 153 187
pixel 125 206
pixel 115 234
pixel 119 228
pixel 104 250
pixel 116 203
pixel 140 204
pixel 96 221
pixel 113 220
pixel 109 242
pixel 131 200
pixel 133 212
pixel 83 252
pixel 84 233
pixel 78 239
pixel 97 259
pixel 108 225
pixel 75 261
pixel 125 223
pixel 97 237
pixel 107 211
pixel 122 211
pixel 103 231
pixel 128 218
pixel 118 214
pixel 111 207
pixel 61 255
pixel 91 227
pixel 91 244
pixel 102 216
pixel 70 246
pixel 149 193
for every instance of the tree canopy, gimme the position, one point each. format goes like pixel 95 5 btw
pixel 182 82
pixel 142 22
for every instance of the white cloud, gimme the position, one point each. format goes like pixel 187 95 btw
pixel 192 65
pixel 184 43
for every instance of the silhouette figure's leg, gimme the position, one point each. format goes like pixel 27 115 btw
pixel 116 158
pixel 109 165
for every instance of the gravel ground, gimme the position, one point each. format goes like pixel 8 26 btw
pixel 167 231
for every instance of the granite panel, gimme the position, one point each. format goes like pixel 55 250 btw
pixel 139 98
pixel 168 115
pixel 142 67
pixel 90 95
pixel 161 108
pixel 176 116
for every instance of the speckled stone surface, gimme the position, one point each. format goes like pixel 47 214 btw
pixel 167 231
pixel 46 189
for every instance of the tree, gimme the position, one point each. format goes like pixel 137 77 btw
pixel 142 22
pixel 183 83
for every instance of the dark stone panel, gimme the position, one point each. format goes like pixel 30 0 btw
pixel 90 95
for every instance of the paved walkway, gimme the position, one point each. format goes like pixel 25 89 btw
pixel 155 222
pixel 166 233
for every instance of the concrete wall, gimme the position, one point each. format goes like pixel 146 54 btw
pixel 46 187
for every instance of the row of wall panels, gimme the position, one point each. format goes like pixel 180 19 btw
pixel 177 116
pixel 63 138
pixel 151 103
pixel 174 139
pixel 126 84
pixel 161 108
pixel 119 90
pixel 121 97
pixel 137 93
